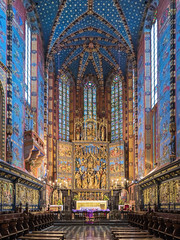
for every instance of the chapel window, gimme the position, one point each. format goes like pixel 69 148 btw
pixel 90 100
pixel 116 110
pixel 64 100
pixel 27 63
pixel 154 71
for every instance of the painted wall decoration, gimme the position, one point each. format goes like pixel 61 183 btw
pixel 3 33
pixel 150 195
pixel 3 80
pixel 65 164
pixel 6 195
pixel 169 193
pixel 116 164
pixel 178 78
pixel 90 166
pixel 40 72
pixel 141 106
pixel 18 83
pixel 28 195
pixel 164 81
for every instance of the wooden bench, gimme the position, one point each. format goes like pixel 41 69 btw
pixel 38 238
pixel 13 225
pixel 133 236
pixel 50 232
pixel 160 224
pixel 42 235
pixel 40 220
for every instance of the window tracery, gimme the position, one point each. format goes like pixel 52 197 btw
pixel 90 100
pixel 64 91
pixel 116 110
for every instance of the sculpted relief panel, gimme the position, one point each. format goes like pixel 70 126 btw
pixel 91 166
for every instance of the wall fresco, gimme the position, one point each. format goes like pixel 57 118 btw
pixel 3 40
pixel 3 80
pixel 116 164
pixel 6 195
pixel 40 106
pixel 40 72
pixel 178 78
pixel 164 82
pixel 141 106
pixel 64 164
pixel 18 83
pixel 28 195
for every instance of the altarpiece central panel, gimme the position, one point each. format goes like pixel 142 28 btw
pixel 94 165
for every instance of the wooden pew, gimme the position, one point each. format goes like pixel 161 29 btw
pixel 38 238
pixel 51 232
pixel 42 235
pixel 164 225
pixel 40 220
pixel 13 225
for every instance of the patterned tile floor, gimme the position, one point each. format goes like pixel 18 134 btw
pixel 90 232
pixel 87 232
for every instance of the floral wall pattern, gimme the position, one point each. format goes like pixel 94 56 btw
pixel 18 110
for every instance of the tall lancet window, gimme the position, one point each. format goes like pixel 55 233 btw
pixel 90 100
pixel 116 110
pixel 154 72
pixel 64 87
pixel 27 63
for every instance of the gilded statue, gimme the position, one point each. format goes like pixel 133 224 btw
pixel 102 134
pixel 85 181
pixel 90 162
pixel 78 179
pixel 78 133
pixel 91 180
pixel 97 180
pixel 103 180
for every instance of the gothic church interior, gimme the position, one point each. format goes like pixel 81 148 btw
pixel 89 105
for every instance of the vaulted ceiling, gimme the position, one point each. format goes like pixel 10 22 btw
pixel 91 36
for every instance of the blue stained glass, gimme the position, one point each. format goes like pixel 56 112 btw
pixel 63 106
pixel 116 109
pixel 90 100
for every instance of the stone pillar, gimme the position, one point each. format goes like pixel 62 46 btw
pixel 135 109
pixel 50 121
pixel 130 117
pixel 148 113
pixel 34 79
pixel 172 125
pixel 9 130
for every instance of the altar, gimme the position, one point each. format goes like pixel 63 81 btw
pixel 98 205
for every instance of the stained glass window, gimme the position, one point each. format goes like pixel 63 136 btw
pixel 154 72
pixel 116 110
pixel 90 100
pixel 27 63
pixel 64 85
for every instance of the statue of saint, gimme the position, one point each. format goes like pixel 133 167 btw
pixel 97 180
pixel 78 180
pixel 90 162
pixel 102 134
pixel 78 133
pixel 91 180
pixel 84 181
pixel 103 180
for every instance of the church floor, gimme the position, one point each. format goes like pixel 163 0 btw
pixel 89 232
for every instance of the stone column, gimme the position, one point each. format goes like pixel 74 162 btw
pixel 172 125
